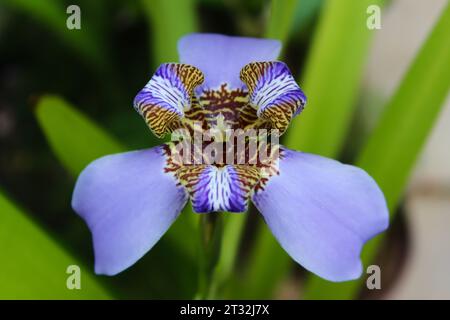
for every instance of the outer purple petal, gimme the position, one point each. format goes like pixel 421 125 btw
pixel 128 203
pixel 221 57
pixel 322 212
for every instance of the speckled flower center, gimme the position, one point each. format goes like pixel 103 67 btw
pixel 221 171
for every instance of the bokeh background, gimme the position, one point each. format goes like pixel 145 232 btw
pixel 377 98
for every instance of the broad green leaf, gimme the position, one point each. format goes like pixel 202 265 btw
pixel 281 18
pixel 305 13
pixel 331 82
pixel 396 142
pixel 169 21
pixel 331 79
pixel 34 265
pixel 74 138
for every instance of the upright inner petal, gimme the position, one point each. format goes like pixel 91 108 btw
pixel 166 97
pixel 273 92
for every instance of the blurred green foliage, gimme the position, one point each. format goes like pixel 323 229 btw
pixel 281 16
pixel 101 67
pixel 169 21
pixel 74 139
pixel 334 65
pixel 34 264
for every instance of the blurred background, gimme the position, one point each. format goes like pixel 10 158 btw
pixel 66 98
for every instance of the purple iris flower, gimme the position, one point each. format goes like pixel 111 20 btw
pixel 320 210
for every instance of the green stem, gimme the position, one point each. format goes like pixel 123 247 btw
pixel 234 224
pixel 211 230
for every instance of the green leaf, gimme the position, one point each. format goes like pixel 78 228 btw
pixel 232 234
pixel 74 138
pixel 305 13
pixel 34 265
pixel 396 142
pixel 169 21
pixel 281 18
pixel 268 265
pixel 331 82
pixel 332 77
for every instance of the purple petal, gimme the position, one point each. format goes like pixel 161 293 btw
pixel 128 203
pixel 273 92
pixel 167 95
pixel 322 212
pixel 221 57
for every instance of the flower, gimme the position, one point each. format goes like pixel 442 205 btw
pixel 320 210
